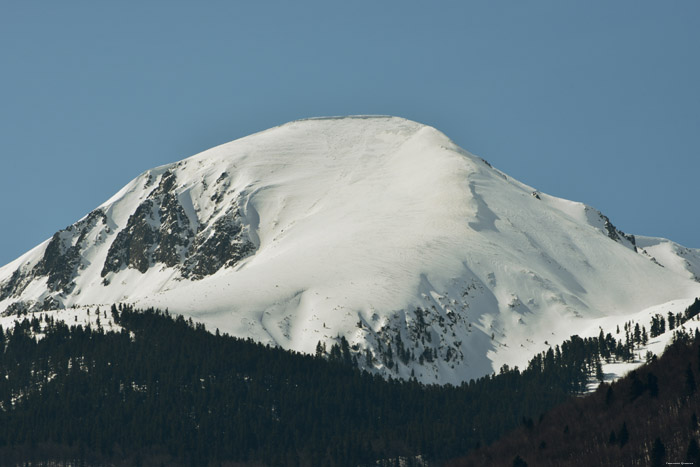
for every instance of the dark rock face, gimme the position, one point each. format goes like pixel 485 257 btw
pixel 60 265
pixel 62 256
pixel 16 284
pixel 133 245
pixel 159 231
pixel 61 259
pixel 17 308
pixel 616 234
pixel 60 262
pixel 220 245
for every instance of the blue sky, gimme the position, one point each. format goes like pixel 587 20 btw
pixel 593 101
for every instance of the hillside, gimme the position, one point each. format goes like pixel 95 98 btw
pixel 648 418
pixel 429 261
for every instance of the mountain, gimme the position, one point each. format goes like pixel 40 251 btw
pixel 423 257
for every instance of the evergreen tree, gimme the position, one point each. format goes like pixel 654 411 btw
pixel 653 384
pixel 320 349
pixel 623 435
pixel 690 380
pixel 637 334
pixel 609 396
pixel 692 455
pixel 599 371
pixel 655 326
pixel 658 453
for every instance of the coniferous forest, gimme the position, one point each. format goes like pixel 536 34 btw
pixel 164 391
pixel 648 418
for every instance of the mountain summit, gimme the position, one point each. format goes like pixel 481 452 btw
pixel 378 231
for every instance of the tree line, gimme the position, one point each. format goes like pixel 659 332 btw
pixel 164 390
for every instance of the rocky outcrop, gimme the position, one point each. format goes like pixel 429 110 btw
pixel 223 244
pixel 61 259
pixel 160 232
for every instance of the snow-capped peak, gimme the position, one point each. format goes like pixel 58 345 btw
pixel 429 261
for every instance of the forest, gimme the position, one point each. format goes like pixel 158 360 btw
pixel 648 418
pixel 165 391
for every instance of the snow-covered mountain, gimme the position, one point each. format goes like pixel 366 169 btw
pixel 429 261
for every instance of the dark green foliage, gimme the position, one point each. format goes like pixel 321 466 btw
pixel 690 380
pixel 623 435
pixel 692 310
pixel 608 427
pixel 658 453
pixel 637 387
pixel 609 396
pixel 653 384
pixel 519 462
pixel 164 390
pixel 693 454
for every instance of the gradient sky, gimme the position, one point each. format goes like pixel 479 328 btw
pixel 594 101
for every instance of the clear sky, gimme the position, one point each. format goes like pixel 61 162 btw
pixel 595 101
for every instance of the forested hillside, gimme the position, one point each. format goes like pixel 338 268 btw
pixel 649 418
pixel 163 390
pixel 166 390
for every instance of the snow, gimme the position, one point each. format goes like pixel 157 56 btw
pixel 78 316
pixel 366 219
pixel 656 345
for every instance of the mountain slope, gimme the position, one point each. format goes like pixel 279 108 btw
pixel 425 258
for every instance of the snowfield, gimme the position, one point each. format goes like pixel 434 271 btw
pixel 429 261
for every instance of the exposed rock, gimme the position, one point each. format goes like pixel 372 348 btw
pixel 51 303
pixel 15 285
pixel 17 308
pixel 133 245
pixel 223 244
pixel 159 231
pixel 616 234
pixel 60 261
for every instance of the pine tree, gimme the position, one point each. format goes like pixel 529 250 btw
pixel 637 334
pixel 690 380
pixel 653 384
pixel 654 330
pixel 320 349
pixel 693 453
pixel 658 453
pixel 623 435
pixel 609 396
